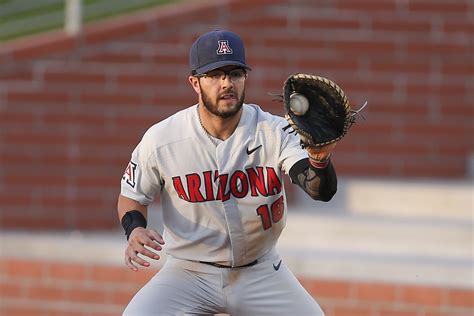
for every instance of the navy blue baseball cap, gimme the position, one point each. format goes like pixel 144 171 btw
pixel 216 49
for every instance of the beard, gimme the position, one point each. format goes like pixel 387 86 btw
pixel 222 113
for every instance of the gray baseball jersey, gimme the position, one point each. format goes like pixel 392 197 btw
pixel 223 202
pixel 226 203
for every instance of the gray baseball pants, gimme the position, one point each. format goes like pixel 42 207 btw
pixel 185 287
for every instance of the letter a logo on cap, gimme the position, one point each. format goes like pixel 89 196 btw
pixel 224 48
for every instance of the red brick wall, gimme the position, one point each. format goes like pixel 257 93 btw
pixel 72 109
pixel 43 288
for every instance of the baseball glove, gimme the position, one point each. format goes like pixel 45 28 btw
pixel 317 109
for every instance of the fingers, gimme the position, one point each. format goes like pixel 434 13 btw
pixel 142 235
pixel 156 236
pixel 132 258
pixel 144 251
pixel 129 261
pixel 138 242
pixel 148 237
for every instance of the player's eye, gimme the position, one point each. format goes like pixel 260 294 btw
pixel 215 75
pixel 237 75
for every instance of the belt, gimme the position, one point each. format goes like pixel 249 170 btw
pixel 229 267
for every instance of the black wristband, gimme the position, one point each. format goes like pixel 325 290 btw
pixel 131 220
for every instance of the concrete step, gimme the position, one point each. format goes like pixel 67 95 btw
pixel 412 231
pixel 358 248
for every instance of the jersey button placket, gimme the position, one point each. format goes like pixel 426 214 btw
pixel 231 211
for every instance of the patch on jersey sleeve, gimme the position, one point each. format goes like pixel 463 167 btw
pixel 129 175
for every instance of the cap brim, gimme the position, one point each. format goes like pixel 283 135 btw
pixel 219 64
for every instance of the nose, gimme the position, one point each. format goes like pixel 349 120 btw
pixel 226 81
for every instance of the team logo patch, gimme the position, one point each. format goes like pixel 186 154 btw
pixel 223 48
pixel 129 175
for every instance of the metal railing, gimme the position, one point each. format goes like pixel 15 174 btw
pixel 25 17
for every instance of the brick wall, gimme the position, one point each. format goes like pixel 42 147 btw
pixel 72 109
pixel 43 288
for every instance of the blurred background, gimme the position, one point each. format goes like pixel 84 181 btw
pixel 81 81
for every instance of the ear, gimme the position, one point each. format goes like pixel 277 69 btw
pixel 195 84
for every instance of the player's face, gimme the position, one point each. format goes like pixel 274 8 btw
pixel 222 91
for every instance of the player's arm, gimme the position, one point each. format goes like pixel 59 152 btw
pixel 126 205
pixel 318 183
pixel 316 175
pixel 132 215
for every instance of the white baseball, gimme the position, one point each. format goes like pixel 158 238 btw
pixel 298 104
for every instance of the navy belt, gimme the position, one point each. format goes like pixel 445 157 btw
pixel 229 267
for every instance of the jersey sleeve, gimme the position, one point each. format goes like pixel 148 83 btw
pixel 141 180
pixel 291 151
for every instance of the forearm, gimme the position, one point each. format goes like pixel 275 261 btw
pixel 125 205
pixel 131 214
pixel 319 184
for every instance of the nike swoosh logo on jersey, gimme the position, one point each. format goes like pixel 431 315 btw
pixel 253 150
pixel 277 267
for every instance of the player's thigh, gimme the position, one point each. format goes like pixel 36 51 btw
pixel 266 291
pixel 177 291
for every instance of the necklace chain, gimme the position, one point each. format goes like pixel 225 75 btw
pixel 204 129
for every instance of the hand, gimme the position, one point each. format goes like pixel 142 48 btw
pixel 321 153
pixel 139 238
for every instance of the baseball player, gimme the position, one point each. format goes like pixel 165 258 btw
pixel 218 166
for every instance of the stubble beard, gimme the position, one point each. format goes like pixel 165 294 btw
pixel 213 108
